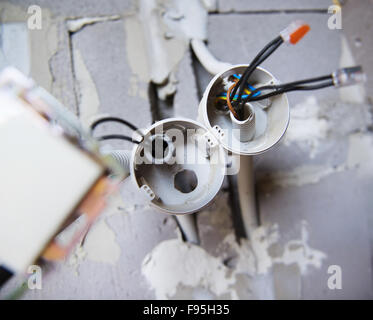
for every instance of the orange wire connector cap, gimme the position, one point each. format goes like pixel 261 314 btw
pixel 295 31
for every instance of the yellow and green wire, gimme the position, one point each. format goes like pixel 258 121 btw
pixel 223 96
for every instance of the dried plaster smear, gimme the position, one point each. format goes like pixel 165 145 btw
pixel 88 99
pixel 359 158
pixel 174 264
pixel 306 126
pixel 100 244
pixel 313 121
pixel 158 36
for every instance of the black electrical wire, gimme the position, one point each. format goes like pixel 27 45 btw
pixel 287 87
pixel 291 84
pixel 5 275
pixel 117 136
pixel 292 88
pixel 114 119
pixel 254 61
pixel 260 58
pixel 267 54
pixel 306 81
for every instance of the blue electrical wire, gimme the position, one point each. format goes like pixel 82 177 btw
pixel 249 86
pixel 224 95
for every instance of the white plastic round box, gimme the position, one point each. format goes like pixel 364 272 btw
pixel 270 123
pixel 161 182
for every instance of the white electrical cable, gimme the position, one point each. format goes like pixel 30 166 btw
pixel 245 178
pixel 188 224
pixel 123 157
pixel 246 192
pixel 209 62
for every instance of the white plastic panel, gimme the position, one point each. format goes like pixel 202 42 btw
pixel 43 177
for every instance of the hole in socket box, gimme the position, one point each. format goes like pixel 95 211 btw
pixel 186 181
pixel 159 148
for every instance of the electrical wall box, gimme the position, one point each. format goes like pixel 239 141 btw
pixel 177 183
pixel 269 117
pixel 50 174
pixel 179 167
